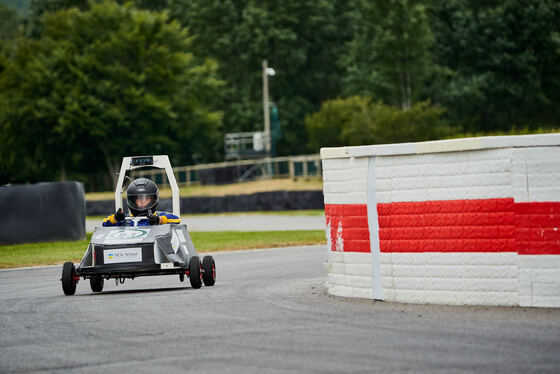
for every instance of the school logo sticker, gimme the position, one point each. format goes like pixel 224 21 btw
pixel 126 235
pixel 116 255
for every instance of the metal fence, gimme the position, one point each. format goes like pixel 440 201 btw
pixel 294 167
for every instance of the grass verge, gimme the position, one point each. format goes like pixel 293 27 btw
pixel 235 240
pixel 38 254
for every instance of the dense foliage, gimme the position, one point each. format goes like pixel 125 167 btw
pixel 389 54
pixel 301 39
pixel 502 61
pixel 9 23
pixel 83 83
pixel 100 84
pixel 21 6
pixel 357 120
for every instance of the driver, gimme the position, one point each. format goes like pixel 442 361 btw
pixel 142 197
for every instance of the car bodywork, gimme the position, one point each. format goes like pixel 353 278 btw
pixel 130 250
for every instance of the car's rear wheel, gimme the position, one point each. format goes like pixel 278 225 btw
pixel 96 283
pixel 195 272
pixel 209 267
pixel 68 278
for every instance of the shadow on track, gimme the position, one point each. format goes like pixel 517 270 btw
pixel 139 290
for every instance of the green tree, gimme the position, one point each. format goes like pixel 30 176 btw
pixel 21 6
pixel 502 62
pixel 301 39
pixel 21 159
pixel 389 56
pixel 10 23
pixel 39 7
pixel 326 126
pixel 358 120
pixel 103 83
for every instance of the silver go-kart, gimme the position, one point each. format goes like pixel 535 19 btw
pixel 130 251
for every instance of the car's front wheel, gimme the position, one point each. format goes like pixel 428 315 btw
pixel 69 278
pixel 195 272
pixel 209 268
pixel 96 283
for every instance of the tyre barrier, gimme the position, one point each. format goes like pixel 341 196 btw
pixel 42 212
pixel 465 221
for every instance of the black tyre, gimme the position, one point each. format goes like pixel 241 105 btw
pixel 209 271
pixel 68 278
pixel 195 272
pixel 96 283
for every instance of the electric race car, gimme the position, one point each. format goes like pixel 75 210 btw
pixel 131 251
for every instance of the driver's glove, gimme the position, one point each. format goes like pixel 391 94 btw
pixel 153 219
pixel 119 215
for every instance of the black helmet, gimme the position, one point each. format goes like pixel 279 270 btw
pixel 142 195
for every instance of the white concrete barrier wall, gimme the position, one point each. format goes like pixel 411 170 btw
pixel 536 178
pixel 463 221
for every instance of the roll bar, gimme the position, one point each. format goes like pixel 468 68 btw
pixel 160 162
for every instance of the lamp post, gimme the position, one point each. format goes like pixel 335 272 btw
pixel 266 71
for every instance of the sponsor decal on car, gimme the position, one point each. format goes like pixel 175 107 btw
pixel 126 235
pixel 117 255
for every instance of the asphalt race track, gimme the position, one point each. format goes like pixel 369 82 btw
pixel 267 313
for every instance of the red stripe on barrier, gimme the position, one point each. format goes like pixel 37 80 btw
pixel 447 226
pixel 487 225
pixel 357 222
pixel 348 224
pixel 538 208
pixel 538 220
pixel 346 210
pixel 538 228
pixel 447 232
pixel 448 245
pixel 356 246
pixel 448 206
pixel 447 219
